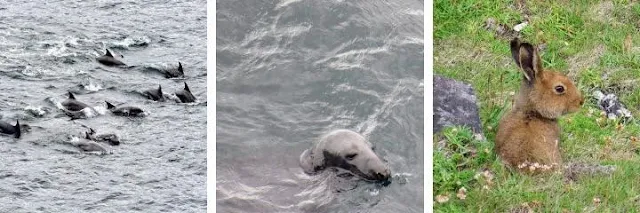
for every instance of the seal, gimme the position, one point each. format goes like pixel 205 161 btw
pixel 108 60
pixel 348 150
pixel 111 139
pixel 72 104
pixel 154 94
pixel 125 110
pixel 185 95
pixel 175 72
pixel 7 128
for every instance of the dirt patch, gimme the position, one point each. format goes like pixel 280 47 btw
pixel 451 52
pixel 628 46
pixel 521 5
pixel 603 12
pixel 576 170
pixel 528 207
pixel 500 30
pixel 585 60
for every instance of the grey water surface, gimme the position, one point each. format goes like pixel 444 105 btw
pixel 48 48
pixel 289 71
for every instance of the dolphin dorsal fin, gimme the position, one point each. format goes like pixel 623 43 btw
pixel 108 53
pixel 109 105
pixel 160 89
pixel 86 135
pixel 71 96
pixel 186 87
pixel 180 67
pixel 17 129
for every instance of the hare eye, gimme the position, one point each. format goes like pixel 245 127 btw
pixel 559 89
pixel 351 156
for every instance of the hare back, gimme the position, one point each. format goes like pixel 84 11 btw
pixel 525 138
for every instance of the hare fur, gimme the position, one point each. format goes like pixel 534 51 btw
pixel 529 134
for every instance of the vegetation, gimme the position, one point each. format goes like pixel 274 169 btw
pixel 597 44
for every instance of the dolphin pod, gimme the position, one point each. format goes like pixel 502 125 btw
pixel 74 108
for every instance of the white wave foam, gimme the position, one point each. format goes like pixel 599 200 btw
pixel 37 111
pixel 285 3
pixel 35 71
pixel 384 111
pixel 133 41
pixel 92 86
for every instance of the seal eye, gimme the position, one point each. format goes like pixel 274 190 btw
pixel 351 156
pixel 559 89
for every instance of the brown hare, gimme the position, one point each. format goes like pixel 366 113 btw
pixel 528 136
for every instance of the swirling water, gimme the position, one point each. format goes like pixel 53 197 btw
pixel 48 48
pixel 288 71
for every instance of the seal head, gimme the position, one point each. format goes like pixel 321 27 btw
pixel 347 150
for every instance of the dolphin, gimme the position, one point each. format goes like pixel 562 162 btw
pixel 185 95
pixel 174 73
pixel 154 94
pixel 72 104
pixel 108 60
pixel 125 110
pixel 112 139
pixel 7 128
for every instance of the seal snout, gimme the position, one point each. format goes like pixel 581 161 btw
pixel 381 175
pixel 378 170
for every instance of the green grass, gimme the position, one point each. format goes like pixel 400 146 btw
pixel 584 39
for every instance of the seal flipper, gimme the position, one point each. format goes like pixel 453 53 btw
pixel 17 129
pixel 109 105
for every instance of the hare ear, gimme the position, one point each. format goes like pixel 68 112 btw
pixel 515 51
pixel 530 62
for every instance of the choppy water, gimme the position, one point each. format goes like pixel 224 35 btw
pixel 288 71
pixel 48 48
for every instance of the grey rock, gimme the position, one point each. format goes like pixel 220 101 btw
pixel 454 103
pixel 610 104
